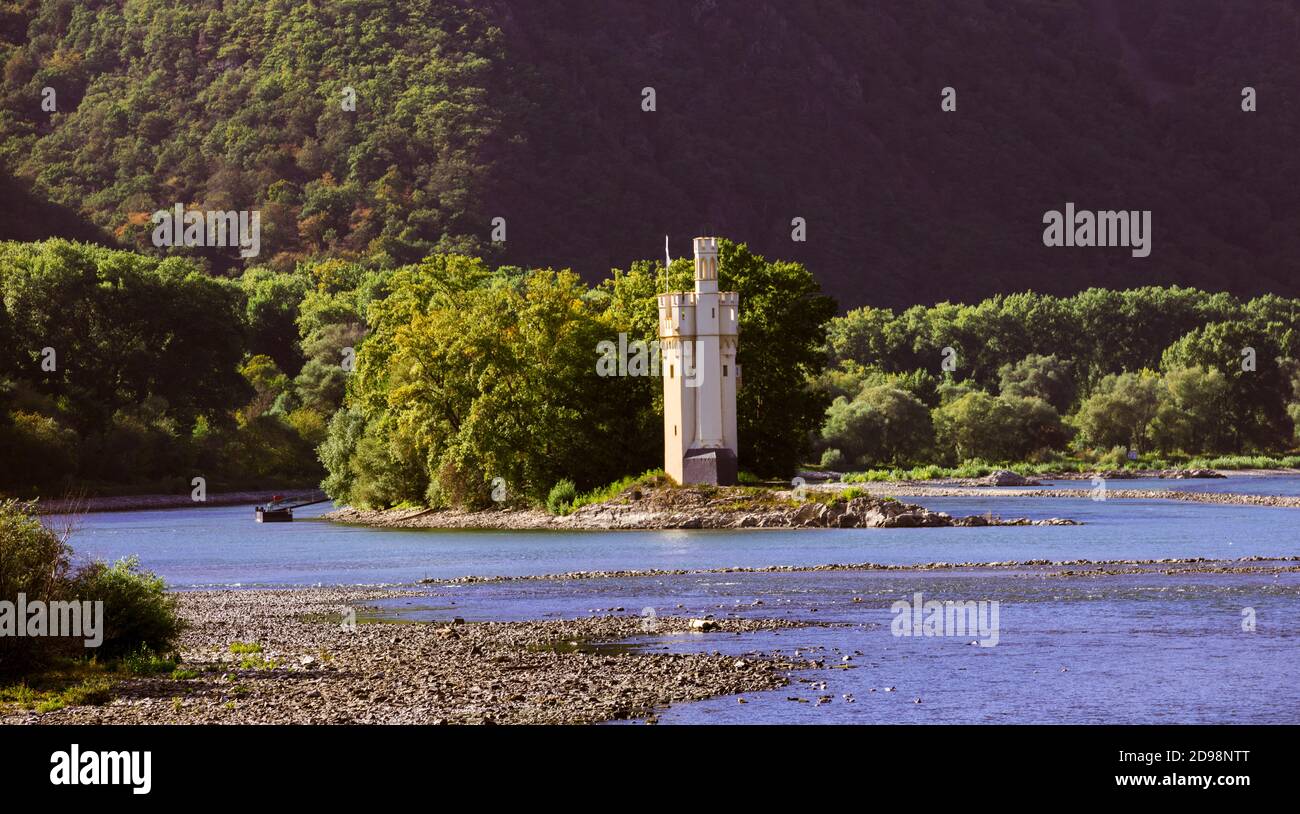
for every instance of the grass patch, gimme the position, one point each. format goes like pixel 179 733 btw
pixel 1246 462
pixel 654 477
pixel 256 661
pixel 52 693
pixel 145 662
pixel 20 695
pixel 241 648
pixel 91 692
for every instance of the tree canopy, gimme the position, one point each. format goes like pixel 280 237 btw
pixel 471 374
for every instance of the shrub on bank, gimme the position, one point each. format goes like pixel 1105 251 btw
pixel 560 500
pixel 609 491
pixel 36 561
pixel 138 612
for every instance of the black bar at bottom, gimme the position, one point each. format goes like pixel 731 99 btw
pixel 300 764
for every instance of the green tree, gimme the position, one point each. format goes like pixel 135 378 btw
pixel 1193 411
pixel 1120 410
pixel 1001 428
pixel 1249 356
pixel 271 313
pixel 1044 377
pixel 469 376
pixel 123 328
pixel 881 425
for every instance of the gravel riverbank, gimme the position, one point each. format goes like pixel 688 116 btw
pixel 312 667
pixel 313 670
pixel 1252 564
pixel 921 489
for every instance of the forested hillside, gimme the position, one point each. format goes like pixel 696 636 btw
pixel 240 106
pixel 531 110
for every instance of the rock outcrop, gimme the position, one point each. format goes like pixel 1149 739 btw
pixel 1005 477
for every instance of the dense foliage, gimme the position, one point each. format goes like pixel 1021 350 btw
pixel 1176 371
pixel 121 370
pixel 241 105
pixel 124 371
pixel 118 368
pixel 474 381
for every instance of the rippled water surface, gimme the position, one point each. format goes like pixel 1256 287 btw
pixel 223 546
pixel 1147 647
pixel 1133 648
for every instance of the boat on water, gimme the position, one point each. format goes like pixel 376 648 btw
pixel 267 514
pixel 276 511
pixel 280 510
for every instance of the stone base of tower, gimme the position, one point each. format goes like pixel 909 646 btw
pixel 713 466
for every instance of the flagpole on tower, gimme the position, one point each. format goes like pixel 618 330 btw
pixel 668 260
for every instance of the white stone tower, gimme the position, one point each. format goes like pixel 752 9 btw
pixel 698 333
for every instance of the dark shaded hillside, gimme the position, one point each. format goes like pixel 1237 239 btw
pixel 27 216
pixel 830 111
pixel 531 110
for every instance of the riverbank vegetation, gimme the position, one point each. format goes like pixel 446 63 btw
pixel 1076 465
pixel 139 623
pixel 1146 377
pixel 121 372
pixel 446 382
pixel 452 383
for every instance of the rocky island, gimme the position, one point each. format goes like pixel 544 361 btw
pixel 657 503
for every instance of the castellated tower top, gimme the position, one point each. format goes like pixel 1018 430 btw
pixel 706 258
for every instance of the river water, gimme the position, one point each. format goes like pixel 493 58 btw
pixel 1130 648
